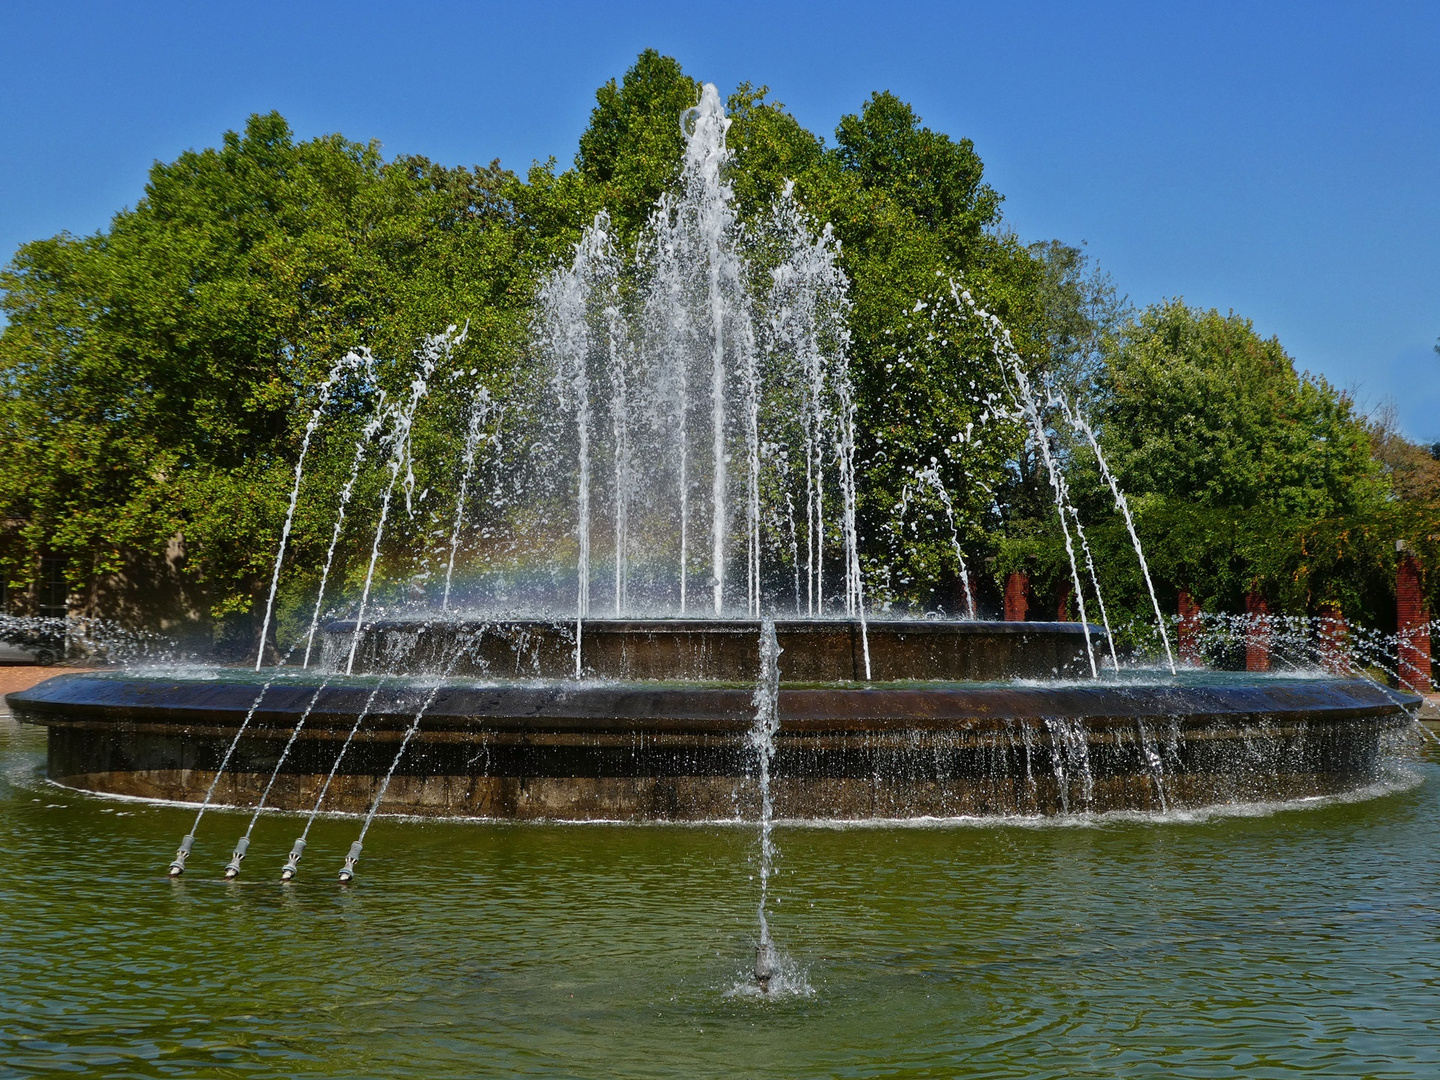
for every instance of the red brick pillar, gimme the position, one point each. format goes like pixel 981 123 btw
pixel 1062 609
pixel 966 600
pixel 1412 630
pixel 1257 633
pixel 1334 640
pixel 1188 634
pixel 1017 596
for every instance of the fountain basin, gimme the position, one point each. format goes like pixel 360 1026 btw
pixel 677 751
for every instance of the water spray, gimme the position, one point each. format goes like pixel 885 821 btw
pixel 348 361
pixel 233 869
pixel 291 866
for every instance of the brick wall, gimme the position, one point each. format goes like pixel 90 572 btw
pixel 1017 597
pixel 1412 627
pixel 1190 629
pixel 1257 633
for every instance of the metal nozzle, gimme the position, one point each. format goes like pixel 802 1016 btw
pixel 177 867
pixel 232 868
pixel 288 871
pixel 764 965
pixel 348 870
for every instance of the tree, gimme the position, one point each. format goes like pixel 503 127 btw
pixel 157 375
pixel 631 150
pixel 1245 475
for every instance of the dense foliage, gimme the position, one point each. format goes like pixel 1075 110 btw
pixel 156 377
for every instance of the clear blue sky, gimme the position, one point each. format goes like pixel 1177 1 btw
pixel 1281 160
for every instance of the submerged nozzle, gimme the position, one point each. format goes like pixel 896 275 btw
pixel 177 867
pixel 764 965
pixel 232 868
pixel 292 864
pixel 348 870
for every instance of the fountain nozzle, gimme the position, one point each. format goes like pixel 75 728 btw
pixel 764 965
pixel 177 867
pixel 232 868
pixel 348 870
pixel 292 864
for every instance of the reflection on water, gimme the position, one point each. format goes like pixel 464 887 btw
pixel 1247 945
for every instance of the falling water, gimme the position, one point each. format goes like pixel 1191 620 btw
pixel 362 445
pixel 1093 574
pixel 1057 485
pixel 1150 753
pixel 435 348
pixel 344 364
pixel 480 409
pixel 931 476
pixel 1079 422
pixel 1005 353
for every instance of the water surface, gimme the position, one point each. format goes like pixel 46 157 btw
pixel 1256 945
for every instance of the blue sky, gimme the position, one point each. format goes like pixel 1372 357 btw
pixel 1280 160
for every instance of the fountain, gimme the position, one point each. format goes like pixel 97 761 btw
pixel 689 417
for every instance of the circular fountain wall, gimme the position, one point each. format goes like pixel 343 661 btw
pixel 502 735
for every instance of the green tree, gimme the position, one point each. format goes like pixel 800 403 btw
pixel 1245 474
pixel 157 375
pixel 631 150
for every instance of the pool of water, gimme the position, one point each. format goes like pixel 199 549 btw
pixel 1254 944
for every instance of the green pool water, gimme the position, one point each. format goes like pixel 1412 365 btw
pixel 1276 942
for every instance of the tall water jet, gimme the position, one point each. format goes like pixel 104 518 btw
pixel 697 311
pixel 719 356
pixel 806 340
pixel 761 741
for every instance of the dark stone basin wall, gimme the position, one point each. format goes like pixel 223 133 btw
pixel 831 650
pixel 678 753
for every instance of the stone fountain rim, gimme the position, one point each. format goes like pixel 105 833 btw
pixel 722 625
pixel 103 700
